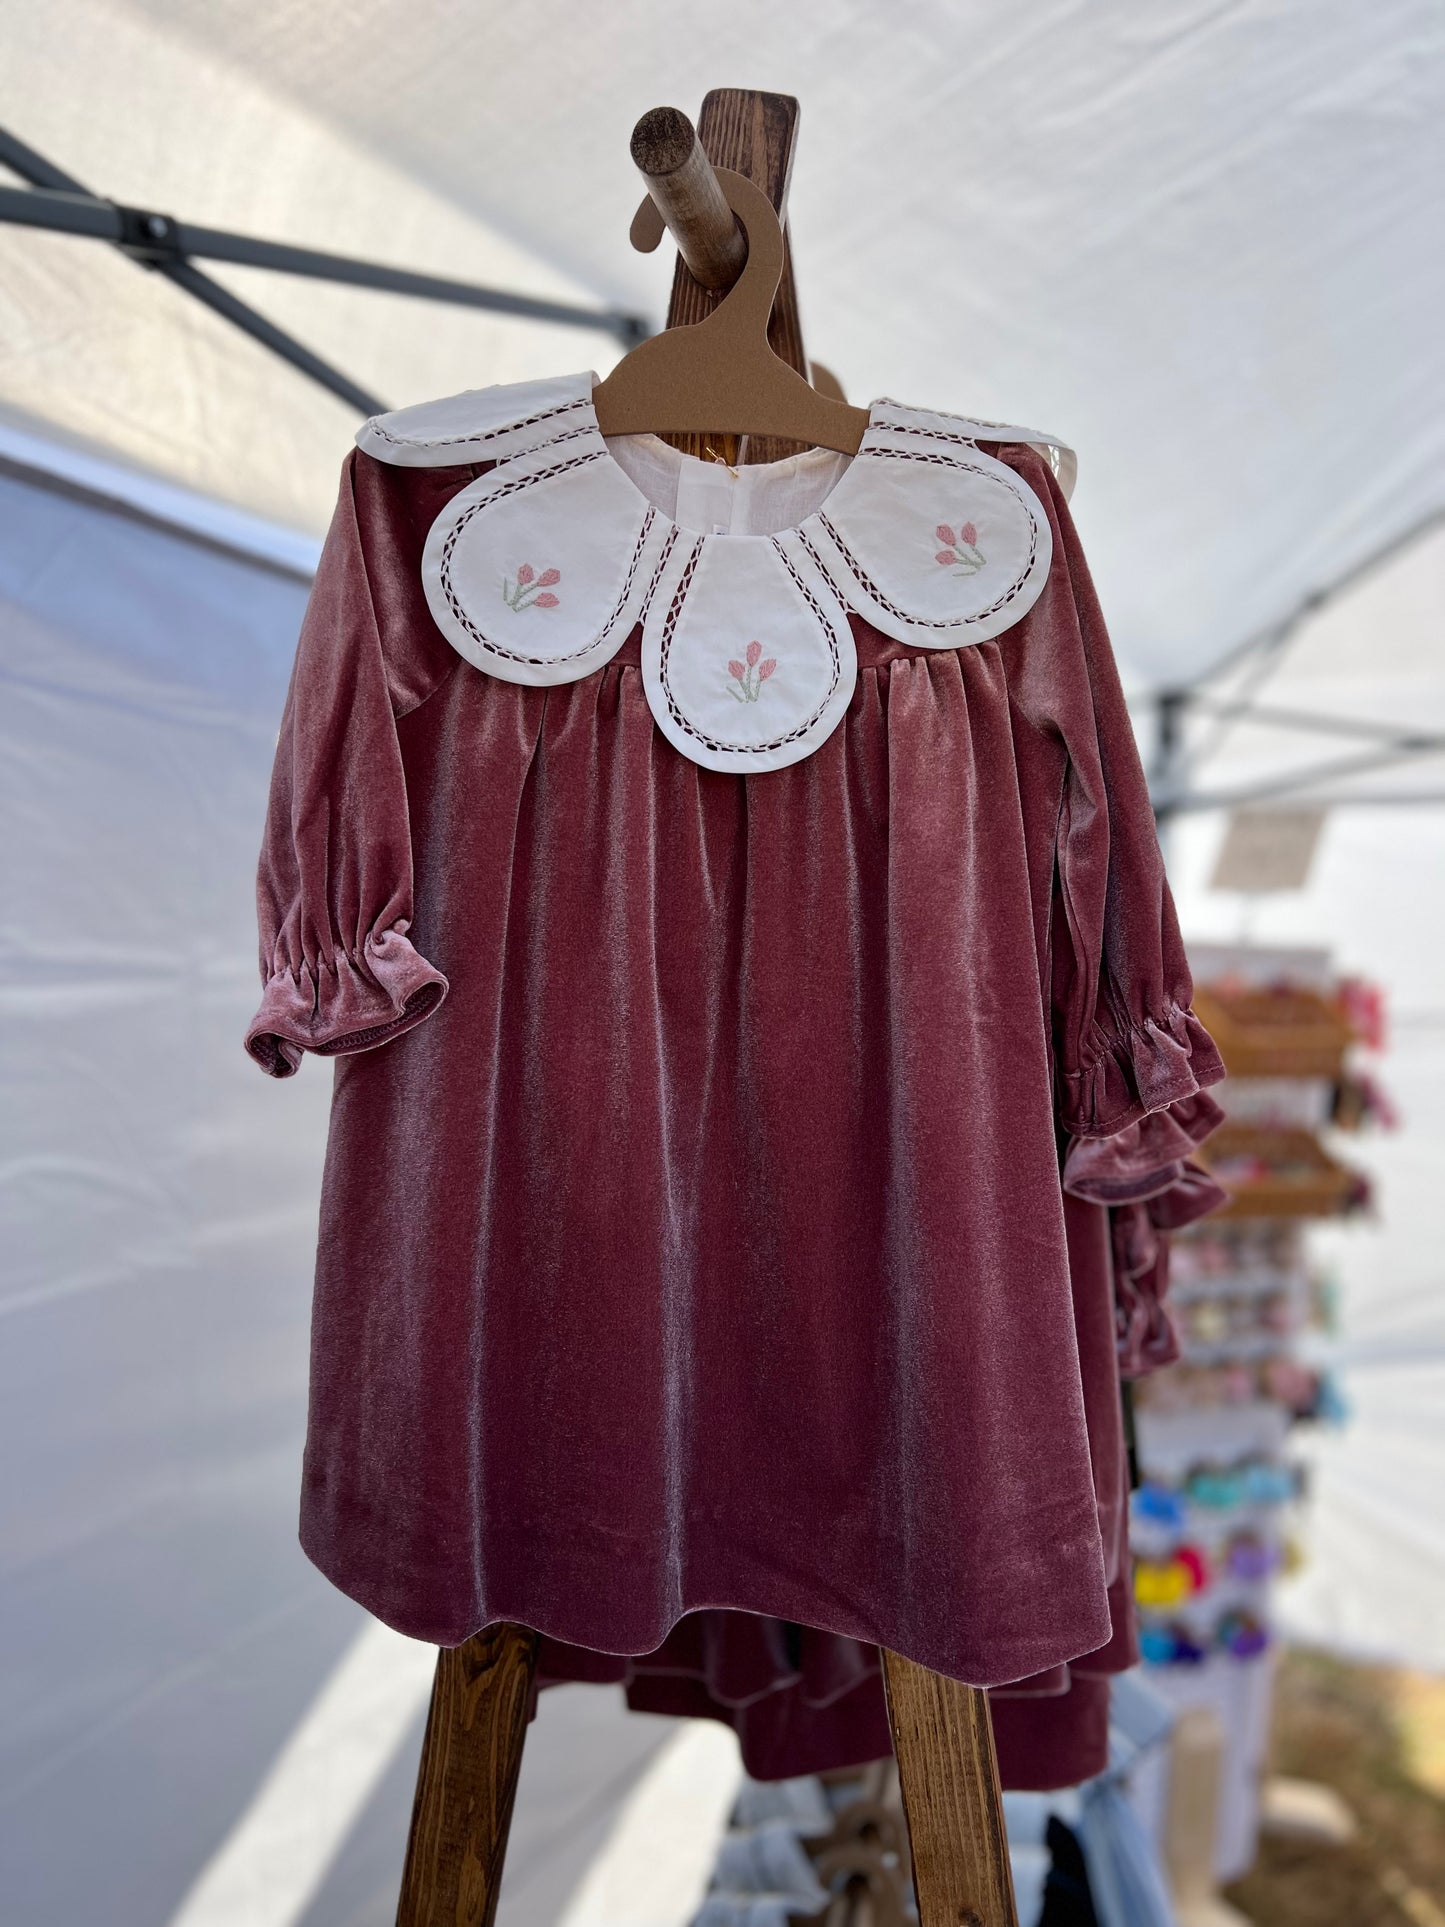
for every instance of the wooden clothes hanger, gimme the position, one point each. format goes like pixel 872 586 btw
pixel 721 375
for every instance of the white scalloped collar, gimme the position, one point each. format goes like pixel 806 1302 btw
pixel 538 571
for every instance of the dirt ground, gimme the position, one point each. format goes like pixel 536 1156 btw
pixel 1376 1735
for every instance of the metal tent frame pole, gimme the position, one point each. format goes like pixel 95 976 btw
pixel 1383 745
pixel 56 202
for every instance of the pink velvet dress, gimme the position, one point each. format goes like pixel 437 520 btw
pixel 714 1258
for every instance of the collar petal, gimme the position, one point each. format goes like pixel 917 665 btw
pixel 538 571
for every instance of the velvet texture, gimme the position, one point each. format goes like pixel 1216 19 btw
pixel 802 1701
pixel 706 1247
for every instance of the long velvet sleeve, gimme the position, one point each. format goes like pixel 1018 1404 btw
pixel 334 888
pixel 1132 1060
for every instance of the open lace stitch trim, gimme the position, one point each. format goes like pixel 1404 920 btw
pixel 870 588
pixel 974 429
pixel 479 436
pixel 823 561
pixel 458 608
pixel 576 395
pixel 675 607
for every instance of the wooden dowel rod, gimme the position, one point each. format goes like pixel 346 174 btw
pixel 467 1780
pixel 754 134
pixel 680 179
pixel 948 1772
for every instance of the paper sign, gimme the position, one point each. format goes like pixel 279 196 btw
pixel 1267 850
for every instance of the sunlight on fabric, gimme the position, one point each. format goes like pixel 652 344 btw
pixel 270 1866
pixel 655 1865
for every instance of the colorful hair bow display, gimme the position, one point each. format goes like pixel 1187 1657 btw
pixel 1240 1634
pixel 1165 1580
pixel 1249 1482
pixel 1249 1557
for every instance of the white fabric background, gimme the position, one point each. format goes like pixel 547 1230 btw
pixel 195 1728
pixel 1198 242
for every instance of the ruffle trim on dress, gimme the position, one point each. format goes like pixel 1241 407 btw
pixel 1193 1194
pixel 345 1003
pixel 1150 1067
pixel 738 1657
pixel 803 1701
pixel 799 1700
pixel 1146 1157
pixel 1047 1744
pixel 1144 1326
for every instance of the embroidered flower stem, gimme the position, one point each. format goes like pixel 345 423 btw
pixel 748 677
pixel 532 591
pixel 961 554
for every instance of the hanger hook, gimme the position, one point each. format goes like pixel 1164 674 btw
pixel 756 287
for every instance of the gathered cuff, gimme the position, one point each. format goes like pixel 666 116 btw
pixel 1149 1067
pixel 1144 1159
pixel 345 1004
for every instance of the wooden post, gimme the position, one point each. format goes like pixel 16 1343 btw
pixel 688 195
pixel 753 134
pixel 944 1742
pixel 467 1780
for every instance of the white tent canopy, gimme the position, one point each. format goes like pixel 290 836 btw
pixel 1193 240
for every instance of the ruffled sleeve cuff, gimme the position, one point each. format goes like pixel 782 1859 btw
pixel 1146 1158
pixel 344 1005
pixel 1147 1337
pixel 1150 1067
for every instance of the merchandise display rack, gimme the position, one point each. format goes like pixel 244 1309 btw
pixel 1214 1520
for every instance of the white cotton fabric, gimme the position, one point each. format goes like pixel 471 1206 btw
pixel 742 578
pixel 747 657
pixel 712 498
pixel 479 425
pixel 534 573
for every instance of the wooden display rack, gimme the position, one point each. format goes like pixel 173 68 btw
pixel 1288 1032
pixel 1303 1180
pixel 1274 1032
pixel 482 1696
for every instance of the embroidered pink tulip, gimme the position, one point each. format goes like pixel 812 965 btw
pixel 523 594
pixel 748 677
pixel 961 552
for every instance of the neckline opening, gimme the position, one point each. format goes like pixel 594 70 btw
pixel 707 499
